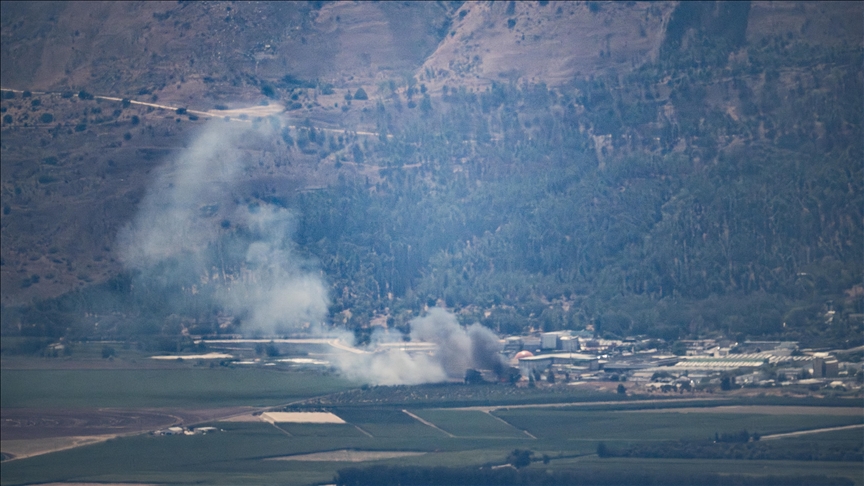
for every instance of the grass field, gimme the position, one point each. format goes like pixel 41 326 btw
pixel 181 387
pixel 238 455
pixel 241 453
pixel 594 426
pixel 755 468
pixel 389 423
pixel 470 423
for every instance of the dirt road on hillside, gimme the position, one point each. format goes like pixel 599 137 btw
pixel 244 114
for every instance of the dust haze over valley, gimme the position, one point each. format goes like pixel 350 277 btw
pixel 395 212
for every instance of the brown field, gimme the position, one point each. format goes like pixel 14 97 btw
pixel 18 424
pixel 31 432
pixel 303 417
pixel 287 417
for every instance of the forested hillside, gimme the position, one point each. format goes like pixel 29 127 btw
pixel 692 196
pixel 714 191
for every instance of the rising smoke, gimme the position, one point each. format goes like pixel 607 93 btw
pixel 193 231
pixel 179 244
pixel 458 349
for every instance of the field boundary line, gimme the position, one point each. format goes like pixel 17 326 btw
pixel 269 420
pixel 426 422
pixel 363 431
pixel 511 425
pixel 811 431
pixel 280 429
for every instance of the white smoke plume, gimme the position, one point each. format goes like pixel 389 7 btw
pixel 167 223
pixel 276 294
pixel 458 349
pixel 177 235
pixel 176 241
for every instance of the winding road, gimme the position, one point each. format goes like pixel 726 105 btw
pixel 244 115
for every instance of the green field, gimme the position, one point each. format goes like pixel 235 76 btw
pixel 324 431
pixel 240 454
pixel 237 456
pixel 181 387
pixel 470 423
pixel 594 426
pixel 244 452
pixel 388 423
pixel 659 467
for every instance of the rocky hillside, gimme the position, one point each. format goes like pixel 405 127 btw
pixel 542 164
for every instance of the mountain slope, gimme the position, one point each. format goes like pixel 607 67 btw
pixel 550 42
pixel 701 178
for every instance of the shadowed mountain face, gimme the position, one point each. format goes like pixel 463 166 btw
pixel 643 167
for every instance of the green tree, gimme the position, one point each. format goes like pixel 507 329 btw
pixel 520 458
pixel 602 450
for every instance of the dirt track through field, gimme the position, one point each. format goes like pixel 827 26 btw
pixel 347 456
pixel 529 434
pixel 811 431
pixel 430 424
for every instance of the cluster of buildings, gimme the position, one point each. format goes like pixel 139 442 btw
pixel 579 357
pixel 177 430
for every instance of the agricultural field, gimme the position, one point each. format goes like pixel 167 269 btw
pixel 176 387
pixel 84 402
pixel 633 426
pixel 98 419
pixel 470 423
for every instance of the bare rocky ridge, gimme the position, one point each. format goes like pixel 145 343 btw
pixel 553 43
pixel 182 51
pixel 827 23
